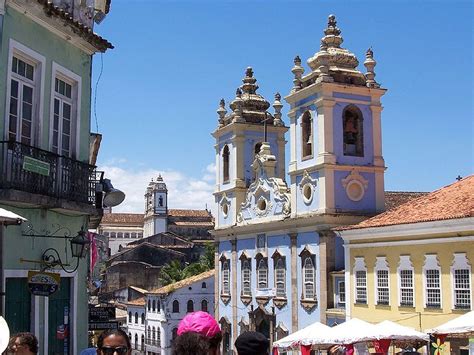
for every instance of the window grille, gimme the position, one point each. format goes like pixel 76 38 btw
pixel 462 289
pixel 383 294
pixel 246 274
pixel 406 287
pixel 280 278
pixel 308 277
pixel 433 289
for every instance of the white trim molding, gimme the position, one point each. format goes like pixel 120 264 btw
pixel 461 263
pixel 39 63
pixel 359 266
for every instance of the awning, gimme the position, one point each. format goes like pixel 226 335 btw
pixel 462 326
pixel 9 218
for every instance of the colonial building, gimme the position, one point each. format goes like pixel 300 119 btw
pixel 47 162
pixel 124 228
pixel 276 249
pixel 413 264
pixel 163 308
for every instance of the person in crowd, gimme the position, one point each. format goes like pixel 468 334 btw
pixel 198 334
pixel 252 343
pixel 23 344
pixel 114 342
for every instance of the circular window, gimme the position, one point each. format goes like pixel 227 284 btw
pixel 225 209
pixel 355 191
pixel 262 204
pixel 307 193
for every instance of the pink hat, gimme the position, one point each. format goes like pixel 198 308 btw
pixel 199 322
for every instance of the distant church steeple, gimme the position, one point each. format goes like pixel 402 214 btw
pixel 156 208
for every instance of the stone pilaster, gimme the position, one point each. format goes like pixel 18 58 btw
pixel 325 135
pixel 216 280
pixel 234 290
pixel 294 283
pixel 326 265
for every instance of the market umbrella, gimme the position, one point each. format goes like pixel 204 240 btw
pixel 395 331
pixel 313 334
pixel 354 331
pixel 8 217
pixel 462 326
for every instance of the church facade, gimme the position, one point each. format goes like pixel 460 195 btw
pixel 276 250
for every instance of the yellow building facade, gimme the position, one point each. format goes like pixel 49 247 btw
pixel 413 264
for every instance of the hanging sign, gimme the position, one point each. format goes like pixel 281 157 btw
pixel 41 283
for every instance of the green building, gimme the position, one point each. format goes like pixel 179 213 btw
pixel 47 157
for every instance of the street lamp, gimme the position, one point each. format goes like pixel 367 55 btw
pixel 79 243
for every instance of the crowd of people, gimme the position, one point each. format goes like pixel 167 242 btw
pixel 198 334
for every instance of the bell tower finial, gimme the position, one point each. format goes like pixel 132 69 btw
pixel 370 64
pixel 297 71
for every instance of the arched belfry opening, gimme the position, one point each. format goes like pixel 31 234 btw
pixel 225 163
pixel 307 135
pixel 353 133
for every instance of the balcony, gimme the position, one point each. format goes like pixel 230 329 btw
pixel 65 182
pixel 152 342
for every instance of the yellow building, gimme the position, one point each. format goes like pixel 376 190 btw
pixel 413 264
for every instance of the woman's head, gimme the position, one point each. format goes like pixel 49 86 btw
pixel 198 334
pixel 23 344
pixel 114 341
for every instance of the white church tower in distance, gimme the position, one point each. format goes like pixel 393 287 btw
pixel 276 251
pixel 156 208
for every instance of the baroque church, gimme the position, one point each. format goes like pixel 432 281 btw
pixel 278 262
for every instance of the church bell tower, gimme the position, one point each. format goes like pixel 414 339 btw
pixel 336 163
pixel 239 137
pixel 156 208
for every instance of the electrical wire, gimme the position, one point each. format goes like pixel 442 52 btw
pixel 95 92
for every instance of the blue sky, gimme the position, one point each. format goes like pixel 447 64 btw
pixel 174 60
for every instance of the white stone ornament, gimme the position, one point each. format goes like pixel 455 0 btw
pixel 307 187
pixel 355 185
pixel 225 205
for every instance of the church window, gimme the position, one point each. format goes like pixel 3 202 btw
pixel 246 280
pixel 190 306
pixel 149 305
pixel 136 317
pixel 280 277
pixel 154 333
pixel 353 131
pixel 154 305
pixel 143 318
pixel 203 285
pixel 136 341
pixel 382 281
pixel 175 306
pixel 461 280
pixel 360 280
pixel 160 201
pixel 405 282
pixel 225 162
pixel 225 277
pixel 148 334
pixel 262 272
pixel 204 305
pixel 307 135
pixel 158 305
pixel 113 235
pixel 158 336
pixel 126 235
pixel 130 317
pixel 119 235
pixel 309 278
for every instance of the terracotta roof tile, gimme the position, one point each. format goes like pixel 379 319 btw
pixel 396 198
pixel 450 202
pixel 129 218
pixel 81 29
pixel 138 302
pixel 189 213
pixel 183 283
pixel 192 223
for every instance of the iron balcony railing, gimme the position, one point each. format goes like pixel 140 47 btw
pixel 38 171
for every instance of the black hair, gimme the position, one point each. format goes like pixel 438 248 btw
pixel 27 339
pixel 191 343
pixel 109 332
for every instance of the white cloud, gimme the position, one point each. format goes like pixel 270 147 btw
pixel 183 191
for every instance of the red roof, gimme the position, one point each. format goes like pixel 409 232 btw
pixel 450 202
pixel 129 218
pixel 189 213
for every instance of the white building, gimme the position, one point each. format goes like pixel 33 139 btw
pixel 166 306
pixel 136 324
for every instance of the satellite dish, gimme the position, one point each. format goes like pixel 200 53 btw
pixel 4 334
pixel 113 197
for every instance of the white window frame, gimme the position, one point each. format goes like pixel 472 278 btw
pixel 359 266
pixel 406 264
pixel 246 276
pixel 432 263
pixel 75 81
pixel 39 62
pixel 262 273
pixel 381 264
pixel 225 283
pixel 460 262
pixel 337 295
pixel 280 266
pixel 309 281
